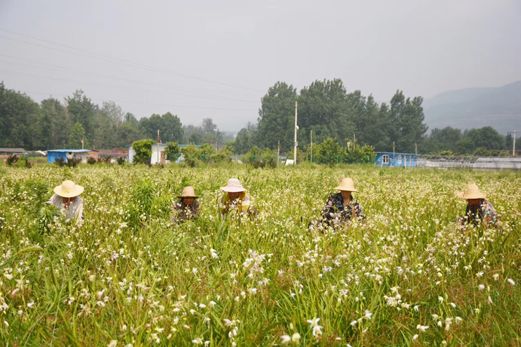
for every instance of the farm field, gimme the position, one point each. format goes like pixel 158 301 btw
pixel 406 275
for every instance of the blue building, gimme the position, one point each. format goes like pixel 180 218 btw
pixel 54 154
pixel 394 159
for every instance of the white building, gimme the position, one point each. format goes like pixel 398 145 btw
pixel 158 154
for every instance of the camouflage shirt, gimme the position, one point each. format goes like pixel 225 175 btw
pixel 184 212
pixel 335 211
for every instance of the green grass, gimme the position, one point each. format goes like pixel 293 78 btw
pixel 129 276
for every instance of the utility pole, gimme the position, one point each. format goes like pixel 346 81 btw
pixel 514 143
pixel 354 141
pixel 296 128
pixel 393 147
pixel 278 153
pixel 311 141
pixel 416 149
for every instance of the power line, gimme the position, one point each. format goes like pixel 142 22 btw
pixel 139 83
pixel 116 60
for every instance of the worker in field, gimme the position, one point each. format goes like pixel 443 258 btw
pixel 67 199
pixel 479 210
pixel 187 207
pixel 341 207
pixel 235 198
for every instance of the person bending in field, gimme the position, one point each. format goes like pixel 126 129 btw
pixel 479 210
pixel 340 207
pixel 67 199
pixel 235 198
pixel 187 207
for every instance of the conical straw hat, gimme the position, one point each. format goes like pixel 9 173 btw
pixel 68 189
pixel 471 192
pixel 233 186
pixel 188 192
pixel 346 184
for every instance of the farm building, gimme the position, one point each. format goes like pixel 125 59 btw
pixel 65 154
pixel 6 152
pixel 393 159
pixel 158 153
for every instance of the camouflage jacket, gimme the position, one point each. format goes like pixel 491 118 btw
pixel 335 211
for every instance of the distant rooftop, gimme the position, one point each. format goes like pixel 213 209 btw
pixel 12 150
pixel 70 150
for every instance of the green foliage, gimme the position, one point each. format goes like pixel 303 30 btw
pixel 173 152
pixel 260 157
pixel 76 135
pixel 139 207
pixel 360 154
pixel 328 152
pixel 143 149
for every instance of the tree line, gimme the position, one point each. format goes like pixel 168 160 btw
pixel 326 111
pixel 55 124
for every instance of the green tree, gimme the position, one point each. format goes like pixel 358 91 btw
pixel 276 117
pixel 328 152
pixel 143 149
pixel 83 111
pixel 53 124
pixel 173 152
pixel 76 136
pixel 326 108
pixel 169 126
pixel 244 141
pixel 406 126
pixel 18 116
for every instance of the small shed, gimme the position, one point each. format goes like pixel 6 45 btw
pixel 65 154
pixel 158 153
pixel 394 159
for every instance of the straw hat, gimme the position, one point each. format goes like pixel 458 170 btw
pixel 471 192
pixel 188 192
pixel 346 184
pixel 233 186
pixel 68 189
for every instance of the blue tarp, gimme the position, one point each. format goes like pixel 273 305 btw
pixel 54 154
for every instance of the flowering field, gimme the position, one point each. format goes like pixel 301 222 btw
pixel 406 275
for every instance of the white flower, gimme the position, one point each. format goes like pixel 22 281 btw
pixel 113 343
pixel 495 276
pixel 214 254
pixel 197 341
pixel 285 339
pixel 317 329
pixel 415 337
pixel 295 337
pixel 368 314
pixel 422 328
pixel 481 287
pixel 511 281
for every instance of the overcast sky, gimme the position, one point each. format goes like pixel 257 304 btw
pixel 216 59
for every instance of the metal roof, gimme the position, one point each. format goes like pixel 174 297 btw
pixel 70 150
pixel 12 150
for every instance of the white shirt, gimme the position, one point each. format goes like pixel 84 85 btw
pixel 74 211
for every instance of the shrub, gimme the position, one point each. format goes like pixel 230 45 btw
pixel 172 151
pixel 91 160
pixel 260 157
pixel 143 149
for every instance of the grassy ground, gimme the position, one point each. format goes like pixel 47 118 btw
pixel 407 275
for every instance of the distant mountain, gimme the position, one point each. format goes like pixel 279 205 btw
pixel 476 107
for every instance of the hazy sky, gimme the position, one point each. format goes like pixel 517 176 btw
pixel 200 59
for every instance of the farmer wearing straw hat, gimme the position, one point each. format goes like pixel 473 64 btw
pixel 341 207
pixel 67 199
pixel 479 210
pixel 235 198
pixel 187 207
